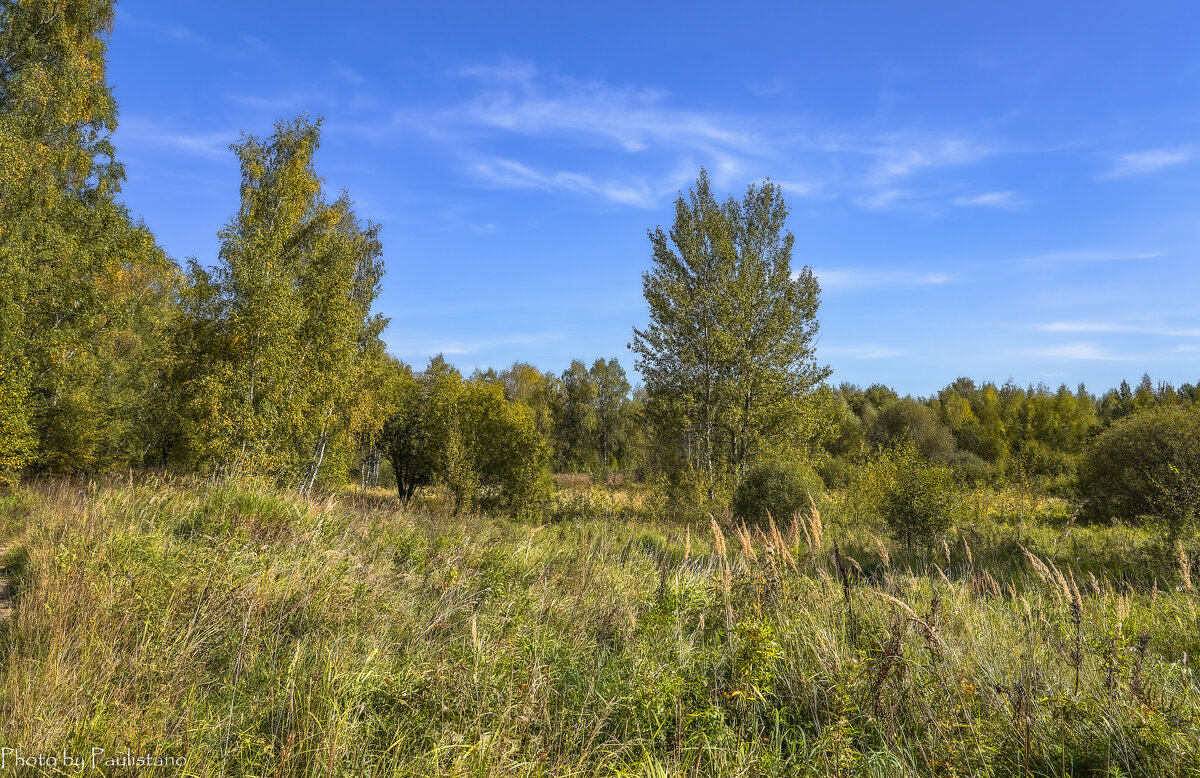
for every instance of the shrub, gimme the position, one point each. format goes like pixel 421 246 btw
pixel 971 469
pixel 917 499
pixel 780 487
pixel 837 472
pixel 1145 468
pixel 909 420
pixel 503 449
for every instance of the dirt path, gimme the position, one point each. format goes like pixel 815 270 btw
pixel 5 591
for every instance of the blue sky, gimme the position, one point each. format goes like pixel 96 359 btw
pixel 1000 190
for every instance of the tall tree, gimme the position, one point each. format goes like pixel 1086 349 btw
pixel 281 333
pixel 612 411
pixel 575 418
pixel 728 356
pixel 84 291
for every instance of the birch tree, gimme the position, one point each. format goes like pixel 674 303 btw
pixel 281 332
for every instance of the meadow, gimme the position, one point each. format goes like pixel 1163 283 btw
pixel 252 632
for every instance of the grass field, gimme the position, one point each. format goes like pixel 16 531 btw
pixel 253 633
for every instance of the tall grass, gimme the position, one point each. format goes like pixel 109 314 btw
pixel 254 633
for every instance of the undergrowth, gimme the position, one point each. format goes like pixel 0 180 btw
pixel 255 633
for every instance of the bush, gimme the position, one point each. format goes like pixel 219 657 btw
pixel 916 499
pixel 972 470
pixel 909 420
pixel 837 472
pixel 503 449
pixel 779 487
pixel 1145 468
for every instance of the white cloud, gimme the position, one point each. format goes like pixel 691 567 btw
pixel 507 71
pixel 865 279
pixel 1075 351
pixel 428 348
pixel 988 200
pixel 884 198
pixel 861 351
pixel 346 73
pixel 901 156
pixel 215 145
pixel 511 174
pixel 174 33
pixel 1083 326
pixel 595 127
pixel 1140 163
pixel 1090 255
pixel 799 188
pixel 284 102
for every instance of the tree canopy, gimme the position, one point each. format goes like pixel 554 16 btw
pixel 728 356
pixel 280 335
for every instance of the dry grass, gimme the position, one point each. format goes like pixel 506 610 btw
pixel 257 634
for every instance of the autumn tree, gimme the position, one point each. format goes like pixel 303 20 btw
pixel 728 356
pixel 84 291
pixel 466 436
pixel 281 333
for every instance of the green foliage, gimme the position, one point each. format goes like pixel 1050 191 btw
pixel 1146 468
pixel 504 448
pixel 916 499
pixel 85 294
pixel 728 355
pixel 279 338
pixel 779 488
pixel 908 420
pixel 614 416
pixel 16 432
pixel 986 433
pixel 404 438
pixel 538 391
pixel 592 418
pixel 575 419
pixel 466 436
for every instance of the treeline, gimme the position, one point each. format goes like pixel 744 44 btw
pixel 986 433
pixel 270 363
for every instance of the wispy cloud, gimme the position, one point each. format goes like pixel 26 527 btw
pixel 861 351
pixel 511 174
pixel 1075 351
pixel 284 102
pixel 134 131
pixel 901 155
pixel 173 33
pixel 873 278
pixel 518 98
pixel 427 348
pixel 1005 200
pixel 1089 255
pixel 1140 163
pixel 1086 326
pixel 634 138
pixel 347 73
